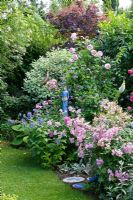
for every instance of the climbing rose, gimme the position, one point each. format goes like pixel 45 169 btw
pixel 72 50
pixel 93 52
pixel 99 54
pixel 89 47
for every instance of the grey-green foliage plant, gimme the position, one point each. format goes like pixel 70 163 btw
pixel 53 66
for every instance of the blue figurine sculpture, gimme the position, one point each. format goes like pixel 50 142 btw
pixel 65 98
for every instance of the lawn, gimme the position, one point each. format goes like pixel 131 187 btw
pixel 26 179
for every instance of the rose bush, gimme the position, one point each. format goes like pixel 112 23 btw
pixel 90 77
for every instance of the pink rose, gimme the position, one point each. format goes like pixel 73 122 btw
pixel 107 66
pixel 89 47
pixel 99 54
pixel 131 98
pixel 130 71
pixel 72 50
pixel 93 52
pixel 75 57
pixel 129 108
pixel 74 36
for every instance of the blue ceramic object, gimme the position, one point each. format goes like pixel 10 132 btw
pixel 93 179
pixel 65 98
pixel 79 186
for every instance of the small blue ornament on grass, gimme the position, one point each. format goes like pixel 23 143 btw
pixel 80 186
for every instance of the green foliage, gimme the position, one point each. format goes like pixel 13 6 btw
pixel 53 66
pixel 117 42
pixel 13 105
pixel 24 36
pixel 110 5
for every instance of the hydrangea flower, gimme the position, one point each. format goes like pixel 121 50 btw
pixel 52 84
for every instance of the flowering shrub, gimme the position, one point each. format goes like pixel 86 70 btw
pixel 109 148
pixel 90 78
pixel 46 74
pixel 49 138
pixel 111 115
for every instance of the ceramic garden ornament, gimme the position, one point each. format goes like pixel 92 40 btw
pixel 65 98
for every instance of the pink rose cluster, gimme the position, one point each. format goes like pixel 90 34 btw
pixel 93 52
pixel 121 176
pixel 74 54
pixel 52 84
pixel 103 137
pixel 131 97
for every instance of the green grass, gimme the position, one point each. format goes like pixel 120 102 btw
pixel 20 175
